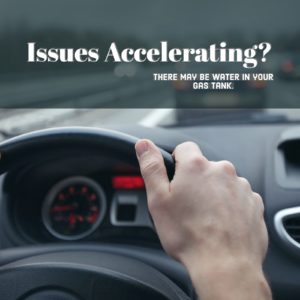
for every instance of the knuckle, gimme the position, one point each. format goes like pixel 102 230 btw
pixel 227 167
pixel 259 201
pixel 257 197
pixel 190 144
pixel 245 183
pixel 179 147
pixel 186 145
pixel 197 161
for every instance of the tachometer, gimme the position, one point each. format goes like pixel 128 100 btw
pixel 74 208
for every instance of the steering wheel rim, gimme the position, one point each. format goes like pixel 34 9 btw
pixel 84 275
pixel 20 150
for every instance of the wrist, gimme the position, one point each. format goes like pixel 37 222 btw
pixel 229 279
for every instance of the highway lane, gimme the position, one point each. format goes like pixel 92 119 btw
pixel 35 119
pixel 23 120
pixel 106 89
pixel 279 94
pixel 72 90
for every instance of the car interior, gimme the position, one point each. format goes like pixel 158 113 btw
pixel 52 248
pixel 82 81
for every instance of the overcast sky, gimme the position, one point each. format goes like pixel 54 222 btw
pixel 156 19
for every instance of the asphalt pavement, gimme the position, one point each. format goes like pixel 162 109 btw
pixel 104 88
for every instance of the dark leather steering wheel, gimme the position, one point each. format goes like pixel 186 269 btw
pixel 23 148
pixel 67 272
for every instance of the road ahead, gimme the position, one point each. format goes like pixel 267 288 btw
pixel 20 121
pixel 104 88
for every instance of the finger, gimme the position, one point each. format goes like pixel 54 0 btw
pixel 152 168
pixel 188 152
pixel 244 183
pixel 225 167
pixel 185 150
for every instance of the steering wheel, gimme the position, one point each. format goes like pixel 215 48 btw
pixel 80 272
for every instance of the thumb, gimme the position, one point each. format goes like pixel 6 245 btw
pixel 152 168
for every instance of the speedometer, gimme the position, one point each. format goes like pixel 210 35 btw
pixel 74 208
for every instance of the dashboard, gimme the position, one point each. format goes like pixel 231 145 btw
pixel 83 197
pixel 79 198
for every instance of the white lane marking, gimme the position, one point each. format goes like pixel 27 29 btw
pixel 155 117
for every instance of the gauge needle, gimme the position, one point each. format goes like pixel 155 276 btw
pixel 72 219
pixel 62 208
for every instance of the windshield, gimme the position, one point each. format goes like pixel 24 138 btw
pixel 59 68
